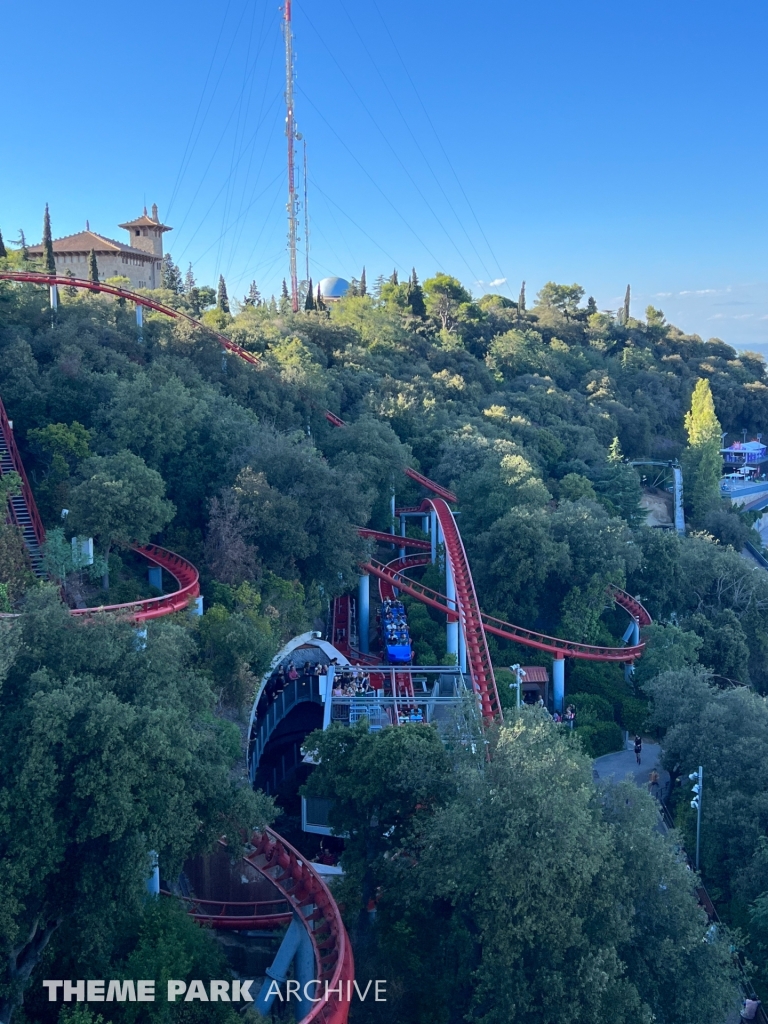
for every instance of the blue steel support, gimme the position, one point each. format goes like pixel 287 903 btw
pixel 462 651
pixel 433 534
pixel 153 881
pixel 280 966
pixel 402 534
pixel 364 611
pixel 451 628
pixel 140 321
pixel 392 513
pixel 304 972
pixel 558 683
pixel 155 575
pixel 677 475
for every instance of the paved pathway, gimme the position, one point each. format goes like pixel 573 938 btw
pixel 622 763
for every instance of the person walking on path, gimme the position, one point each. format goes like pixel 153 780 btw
pixel 653 783
pixel 749 1011
pixel 638 749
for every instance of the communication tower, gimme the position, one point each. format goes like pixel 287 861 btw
pixel 291 135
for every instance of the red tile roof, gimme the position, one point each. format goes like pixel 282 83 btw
pixel 84 241
pixel 535 674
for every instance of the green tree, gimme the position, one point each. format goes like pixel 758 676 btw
pixel 702 461
pixel 416 296
pixel 614 451
pixel 496 883
pixel 119 501
pixel 222 300
pixel 49 263
pixel 309 302
pixel 108 750
pixel 170 275
pixel 444 296
pixel 363 284
pixel 564 298
pixel 3 251
pixel 93 267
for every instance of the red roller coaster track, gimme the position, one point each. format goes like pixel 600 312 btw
pixel 309 896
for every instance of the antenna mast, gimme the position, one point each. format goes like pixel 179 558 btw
pixel 290 131
pixel 306 211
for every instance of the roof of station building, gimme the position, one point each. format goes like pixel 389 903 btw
pixel 84 241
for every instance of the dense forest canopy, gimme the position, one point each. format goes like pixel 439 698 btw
pixel 532 416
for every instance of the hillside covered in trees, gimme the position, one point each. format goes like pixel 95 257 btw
pixel 530 416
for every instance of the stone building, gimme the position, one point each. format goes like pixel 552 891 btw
pixel 140 261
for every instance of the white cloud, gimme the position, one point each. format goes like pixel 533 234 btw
pixel 700 291
pixel 496 282
pixel 663 295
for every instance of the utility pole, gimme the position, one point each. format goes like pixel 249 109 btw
pixel 290 132
pixel 698 791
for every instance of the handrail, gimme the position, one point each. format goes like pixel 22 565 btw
pixel 440 491
pixel 393 538
pixel 236 914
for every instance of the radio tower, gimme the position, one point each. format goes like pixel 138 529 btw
pixel 290 131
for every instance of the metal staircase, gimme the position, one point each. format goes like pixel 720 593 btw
pixel 22 510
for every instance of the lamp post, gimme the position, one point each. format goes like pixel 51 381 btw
pixel 519 673
pixel 698 779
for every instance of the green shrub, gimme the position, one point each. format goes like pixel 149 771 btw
pixel 600 738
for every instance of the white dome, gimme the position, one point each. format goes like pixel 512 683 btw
pixel 333 287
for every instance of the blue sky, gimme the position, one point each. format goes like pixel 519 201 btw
pixel 594 142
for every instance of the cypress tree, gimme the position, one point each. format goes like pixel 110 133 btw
pixel 363 284
pixel 625 319
pixel 393 279
pixel 22 243
pixel 521 300
pixel 222 299
pixel 702 462
pixel 93 267
pixel 189 280
pixel 309 302
pixel 3 252
pixel 171 275
pixel 49 263
pixel 319 304
pixel 416 296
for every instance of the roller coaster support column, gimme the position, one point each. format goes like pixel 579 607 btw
pixel 558 682
pixel 293 945
pixel 153 881
pixel 402 534
pixel 140 320
pixel 363 611
pixel 451 628
pixel 54 296
pixel 462 652
pixel 433 534
pixel 392 512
